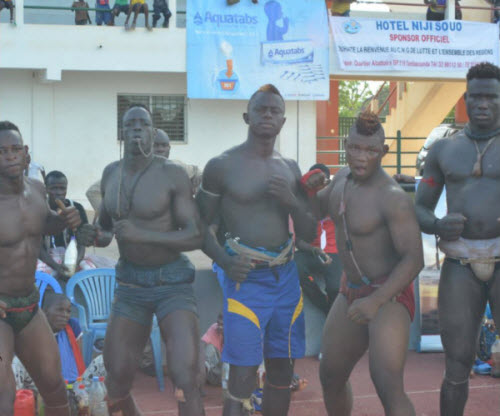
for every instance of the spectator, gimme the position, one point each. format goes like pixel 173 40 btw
pixel 318 262
pixel 7 4
pixel 437 8
pixel 103 14
pixel 121 6
pixel 67 331
pixel 211 346
pixel 161 7
pixel 341 7
pixel 53 247
pixel 82 16
pixel 137 6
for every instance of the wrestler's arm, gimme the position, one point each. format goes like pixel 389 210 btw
pixel 304 221
pixel 429 190
pixel 208 200
pixel 104 223
pixel 405 233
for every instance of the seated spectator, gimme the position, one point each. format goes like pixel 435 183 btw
pixel 121 6
pixel 103 14
pixel 7 4
pixel 437 8
pixel 67 331
pixel 341 7
pixel 318 263
pixel 161 7
pixel 137 6
pixel 211 349
pixel 82 17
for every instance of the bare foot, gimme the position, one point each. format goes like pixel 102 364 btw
pixel 132 27
pixel 149 28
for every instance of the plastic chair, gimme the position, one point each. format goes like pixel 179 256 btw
pixel 42 280
pixel 98 288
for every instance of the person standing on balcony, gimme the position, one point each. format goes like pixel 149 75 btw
pixel 103 14
pixel 7 4
pixel 437 8
pixel 380 245
pixel 24 330
pixel 148 206
pixel 253 190
pixel 467 164
pixel 82 16
pixel 341 7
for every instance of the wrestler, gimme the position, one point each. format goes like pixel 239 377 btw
pixel 379 244
pixel 24 330
pixel 467 163
pixel 252 190
pixel 148 206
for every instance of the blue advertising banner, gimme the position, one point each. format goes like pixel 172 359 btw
pixel 233 50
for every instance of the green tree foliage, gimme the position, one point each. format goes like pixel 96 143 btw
pixel 352 96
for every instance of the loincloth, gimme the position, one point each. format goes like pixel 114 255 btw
pixel 480 255
pixel 352 292
pixel 180 271
pixel 21 309
pixel 261 257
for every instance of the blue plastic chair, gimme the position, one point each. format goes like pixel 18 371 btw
pixel 98 288
pixel 42 280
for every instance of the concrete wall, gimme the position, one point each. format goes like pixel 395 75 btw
pixel 71 125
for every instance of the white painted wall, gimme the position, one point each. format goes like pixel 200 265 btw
pixel 71 125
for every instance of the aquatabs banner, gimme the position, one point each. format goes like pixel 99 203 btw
pixel 233 50
pixel 413 45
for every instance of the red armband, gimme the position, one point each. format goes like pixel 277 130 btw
pixel 303 181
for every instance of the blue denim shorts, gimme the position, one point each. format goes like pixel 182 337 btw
pixel 144 291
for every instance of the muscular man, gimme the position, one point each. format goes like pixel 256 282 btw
pixel 251 191
pixel 148 205
pixel 467 163
pixel 380 247
pixel 25 217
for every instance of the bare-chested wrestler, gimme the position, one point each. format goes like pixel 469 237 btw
pixel 380 246
pixel 468 163
pixel 252 189
pixel 148 205
pixel 24 330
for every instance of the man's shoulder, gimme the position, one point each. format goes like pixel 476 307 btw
pixel 392 196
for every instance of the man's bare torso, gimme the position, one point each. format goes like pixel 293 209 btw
pixel 370 235
pixel 21 227
pixel 477 198
pixel 148 206
pixel 248 211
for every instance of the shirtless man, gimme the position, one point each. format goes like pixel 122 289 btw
pixel 148 205
pixel 24 331
pixel 379 243
pixel 253 190
pixel 467 163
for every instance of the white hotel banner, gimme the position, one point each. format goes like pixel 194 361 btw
pixel 411 45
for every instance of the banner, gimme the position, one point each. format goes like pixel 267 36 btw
pixel 234 50
pixel 413 45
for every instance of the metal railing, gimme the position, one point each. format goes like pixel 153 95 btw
pixel 339 150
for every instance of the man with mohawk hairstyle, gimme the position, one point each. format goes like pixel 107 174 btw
pixel 380 247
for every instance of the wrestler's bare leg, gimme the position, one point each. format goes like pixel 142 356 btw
pixel 241 384
pixel 277 393
pixel 181 334
pixel 494 298
pixel 7 381
pixel 389 332
pixel 123 346
pixel 344 343
pixel 461 304
pixel 37 349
